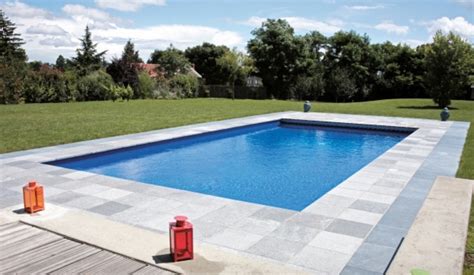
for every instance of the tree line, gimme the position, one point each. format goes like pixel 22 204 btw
pixel 343 67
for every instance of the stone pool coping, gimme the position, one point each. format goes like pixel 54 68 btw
pixel 355 227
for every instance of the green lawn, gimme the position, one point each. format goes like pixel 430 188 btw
pixel 36 125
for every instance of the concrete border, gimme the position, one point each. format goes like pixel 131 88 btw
pixel 437 239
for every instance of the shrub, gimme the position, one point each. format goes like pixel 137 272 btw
pixel 184 85
pixel 146 85
pixel 94 86
pixel 49 85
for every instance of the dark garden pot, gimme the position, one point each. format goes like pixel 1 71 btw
pixel 444 114
pixel 307 106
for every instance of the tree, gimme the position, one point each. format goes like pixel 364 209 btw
pixel 399 71
pixel 449 63
pixel 204 58
pixel 124 71
pixel 276 52
pixel 87 58
pixel 129 54
pixel 60 63
pixel 12 63
pixel 234 65
pixel 171 61
pixel 10 41
pixel 349 55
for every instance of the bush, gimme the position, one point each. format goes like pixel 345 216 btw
pixel 94 86
pixel 307 88
pixel 49 85
pixel 146 85
pixel 117 91
pixel 184 85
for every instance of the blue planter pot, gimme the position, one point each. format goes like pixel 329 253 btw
pixel 444 114
pixel 307 106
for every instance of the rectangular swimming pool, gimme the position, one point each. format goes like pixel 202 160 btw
pixel 278 164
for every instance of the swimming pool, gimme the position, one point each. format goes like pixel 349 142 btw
pixel 278 164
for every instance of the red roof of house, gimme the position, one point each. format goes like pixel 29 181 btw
pixel 151 69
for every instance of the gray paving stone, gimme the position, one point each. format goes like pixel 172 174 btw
pixel 355 229
pixel 321 260
pixel 136 199
pixel 109 208
pixel 85 202
pixel 257 226
pixel 274 214
pixel 111 194
pixel 91 189
pixel 295 232
pixel 64 197
pixel 350 270
pixel 310 220
pixel 9 198
pixel 235 239
pixel 372 257
pixel 277 249
pixel 204 230
pixel 386 236
pixel 69 185
pixel 370 206
pixel 402 213
pixel 336 242
pixel 23 164
pixel 227 216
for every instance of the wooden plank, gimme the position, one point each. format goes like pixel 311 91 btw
pixel 84 264
pixel 19 236
pixel 150 270
pixel 9 230
pixel 58 260
pixel 27 258
pixel 9 225
pixel 28 244
pixel 116 265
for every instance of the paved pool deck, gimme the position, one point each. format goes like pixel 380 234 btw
pixel 353 229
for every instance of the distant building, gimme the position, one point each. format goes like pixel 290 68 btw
pixel 153 70
pixel 254 81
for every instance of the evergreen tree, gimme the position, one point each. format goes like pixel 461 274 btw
pixel 10 42
pixel 124 71
pixel 129 54
pixel 60 62
pixel 88 59
pixel 12 63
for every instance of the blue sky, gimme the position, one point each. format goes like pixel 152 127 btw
pixel 51 28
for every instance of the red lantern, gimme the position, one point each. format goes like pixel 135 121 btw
pixel 181 239
pixel 33 197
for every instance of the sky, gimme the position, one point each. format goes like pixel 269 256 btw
pixel 54 27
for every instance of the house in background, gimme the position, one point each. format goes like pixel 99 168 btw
pixel 254 81
pixel 154 71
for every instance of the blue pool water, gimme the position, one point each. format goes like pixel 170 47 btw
pixel 276 164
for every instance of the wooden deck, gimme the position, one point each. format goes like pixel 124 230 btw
pixel 26 250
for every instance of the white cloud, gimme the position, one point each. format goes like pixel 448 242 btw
pixel 457 25
pixel 58 42
pixel 466 3
pixel 46 29
pixel 93 17
pixel 128 5
pixel 19 9
pixel 392 28
pixel 42 33
pixel 301 23
pixel 364 8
